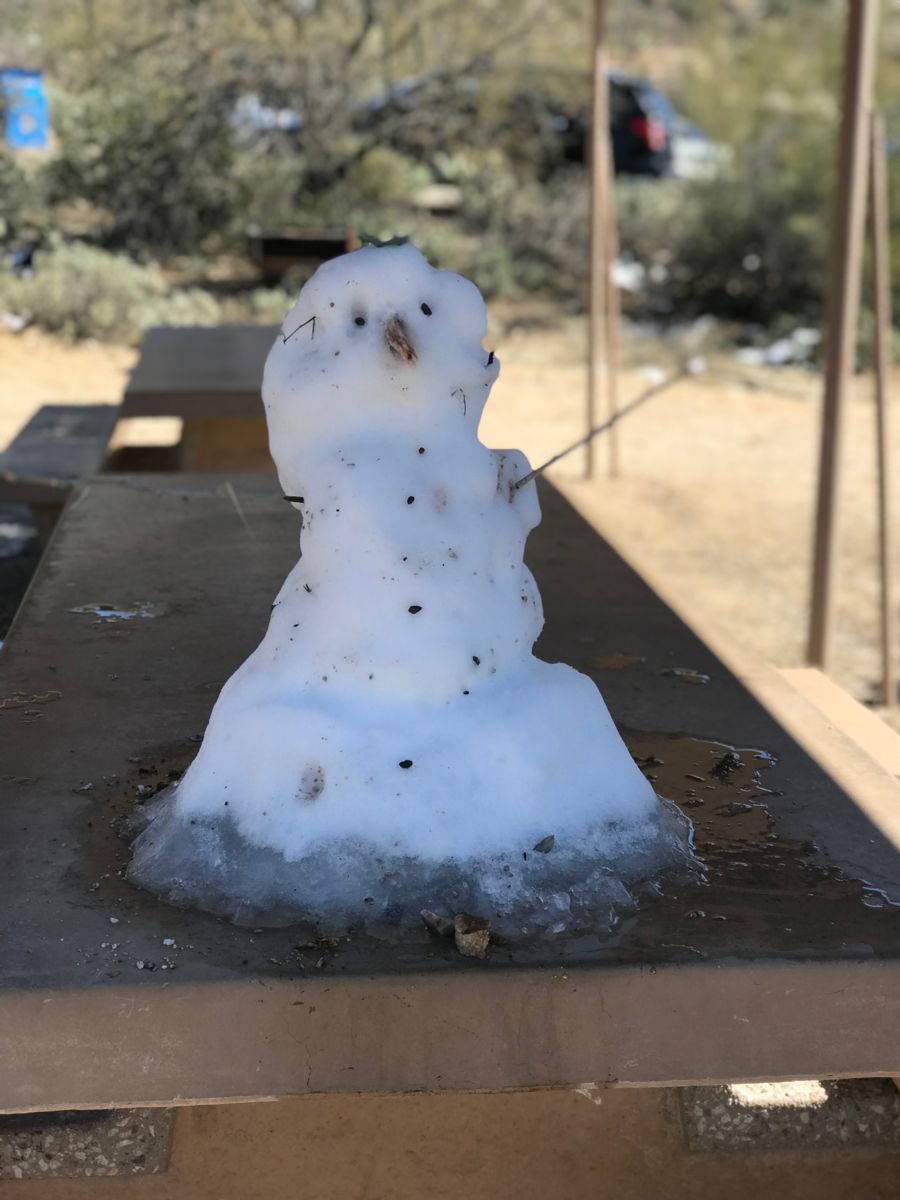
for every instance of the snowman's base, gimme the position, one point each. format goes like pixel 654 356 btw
pixel 579 884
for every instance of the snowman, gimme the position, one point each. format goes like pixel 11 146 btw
pixel 393 744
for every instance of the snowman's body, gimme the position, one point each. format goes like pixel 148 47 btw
pixel 393 738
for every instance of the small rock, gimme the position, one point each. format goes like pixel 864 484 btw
pixel 442 926
pixel 735 809
pixel 545 845
pixel 727 764
pixel 685 674
pixel 472 935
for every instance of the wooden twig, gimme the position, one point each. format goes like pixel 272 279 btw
pixel 655 390
pixel 881 305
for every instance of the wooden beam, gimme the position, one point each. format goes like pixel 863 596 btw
pixel 613 320
pixel 598 266
pixel 842 311
pixel 881 306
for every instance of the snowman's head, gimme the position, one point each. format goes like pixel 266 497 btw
pixel 378 340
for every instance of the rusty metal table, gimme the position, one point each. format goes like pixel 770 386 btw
pixel 784 964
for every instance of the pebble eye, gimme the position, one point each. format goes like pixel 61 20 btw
pixel 359 320
pixel 426 310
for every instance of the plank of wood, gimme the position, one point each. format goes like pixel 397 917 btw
pixel 199 372
pixel 783 964
pixel 60 444
pixel 859 723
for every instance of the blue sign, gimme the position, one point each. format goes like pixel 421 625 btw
pixel 26 113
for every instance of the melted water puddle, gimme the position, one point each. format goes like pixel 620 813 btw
pixel 108 613
pixel 750 869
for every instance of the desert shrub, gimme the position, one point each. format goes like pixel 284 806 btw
pixel 269 186
pixel 746 249
pixel 155 166
pixel 514 233
pixel 383 177
pixel 267 306
pixel 17 193
pixel 82 291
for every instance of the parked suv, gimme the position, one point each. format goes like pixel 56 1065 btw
pixel 641 125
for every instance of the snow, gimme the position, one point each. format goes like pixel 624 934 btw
pixel 393 744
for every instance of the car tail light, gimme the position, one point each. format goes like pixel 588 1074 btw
pixel 650 131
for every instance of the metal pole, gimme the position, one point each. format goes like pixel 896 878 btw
pixel 598 266
pixel 613 320
pixel 881 305
pixel 842 310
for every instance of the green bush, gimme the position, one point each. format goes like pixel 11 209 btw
pixel 269 186
pixel 384 178
pixel 17 194
pixel 81 291
pixel 513 233
pixel 156 167
pixel 748 249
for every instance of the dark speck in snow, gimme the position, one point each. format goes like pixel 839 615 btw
pixel 410 499
pixel 406 764
pixel 476 660
pixel 306 588
pixel 421 449
pixel 415 608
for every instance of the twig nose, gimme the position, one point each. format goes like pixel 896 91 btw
pixel 396 336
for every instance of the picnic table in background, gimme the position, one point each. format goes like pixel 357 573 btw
pixel 210 377
pixel 59 445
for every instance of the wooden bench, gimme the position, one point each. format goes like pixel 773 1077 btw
pixel 61 444
pixel 209 377
pixel 277 250
pixel 784 964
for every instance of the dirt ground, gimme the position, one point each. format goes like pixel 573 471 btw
pixel 716 485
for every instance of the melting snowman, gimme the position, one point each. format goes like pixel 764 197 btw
pixel 393 745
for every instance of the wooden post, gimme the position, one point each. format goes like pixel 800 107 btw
pixel 598 266
pixel 842 311
pixel 881 306
pixel 613 321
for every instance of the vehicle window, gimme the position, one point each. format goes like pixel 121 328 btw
pixel 621 103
